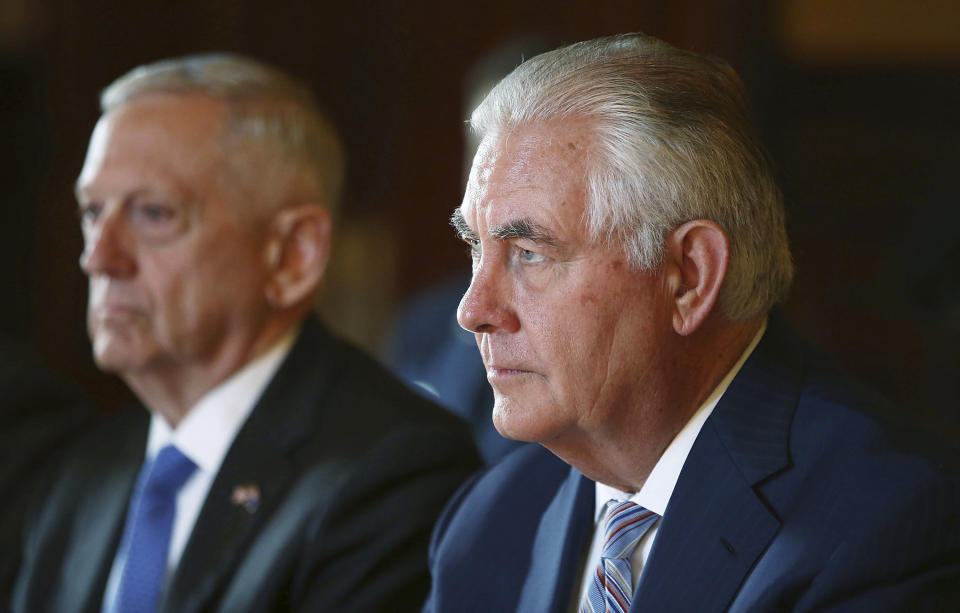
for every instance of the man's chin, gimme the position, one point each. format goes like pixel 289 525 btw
pixel 518 423
pixel 111 364
pixel 115 357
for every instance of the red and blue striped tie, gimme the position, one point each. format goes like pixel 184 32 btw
pixel 611 590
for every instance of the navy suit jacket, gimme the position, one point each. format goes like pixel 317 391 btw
pixel 352 469
pixel 794 498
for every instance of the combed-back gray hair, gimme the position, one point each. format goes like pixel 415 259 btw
pixel 266 107
pixel 672 143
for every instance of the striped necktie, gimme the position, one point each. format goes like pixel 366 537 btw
pixel 611 590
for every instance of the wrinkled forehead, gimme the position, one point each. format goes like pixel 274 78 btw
pixel 156 136
pixel 553 143
pixel 543 157
pixel 188 118
pixel 529 183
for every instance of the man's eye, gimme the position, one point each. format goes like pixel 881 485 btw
pixel 156 222
pixel 89 213
pixel 474 244
pixel 155 213
pixel 530 257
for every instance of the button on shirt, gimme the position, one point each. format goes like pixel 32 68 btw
pixel 205 435
pixel 659 486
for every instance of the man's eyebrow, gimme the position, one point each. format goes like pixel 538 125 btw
pixel 460 224
pixel 525 229
pixel 518 228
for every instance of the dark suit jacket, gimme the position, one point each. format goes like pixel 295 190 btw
pixel 352 469
pixel 793 498
pixel 39 415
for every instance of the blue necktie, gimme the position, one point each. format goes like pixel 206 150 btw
pixel 146 536
pixel 611 590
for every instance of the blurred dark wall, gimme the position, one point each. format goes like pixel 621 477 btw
pixel 865 138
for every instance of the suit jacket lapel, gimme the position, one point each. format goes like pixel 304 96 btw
pixel 558 546
pixel 716 525
pixel 224 528
pixel 90 558
pixel 257 460
pixel 101 512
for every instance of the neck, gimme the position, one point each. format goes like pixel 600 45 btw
pixel 172 390
pixel 624 452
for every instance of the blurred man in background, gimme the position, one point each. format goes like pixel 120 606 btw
pixel 276 468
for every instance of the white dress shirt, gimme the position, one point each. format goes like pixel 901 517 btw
pixel 657 489
pixel 205 435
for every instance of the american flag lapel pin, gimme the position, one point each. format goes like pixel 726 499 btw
pixel 246 496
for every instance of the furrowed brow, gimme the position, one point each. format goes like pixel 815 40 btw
pixel 460 224
pixel 524 229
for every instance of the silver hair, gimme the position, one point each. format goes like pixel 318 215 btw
pixel 266 107
pixel 672 143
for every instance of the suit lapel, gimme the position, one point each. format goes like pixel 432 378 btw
pixel 716 525
pixel 91 556
pixel 225 526
pixel 713 530
pixel 257 463
pixel 558 546
pixel 100 513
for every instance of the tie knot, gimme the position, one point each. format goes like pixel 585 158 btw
pixel 626 525
pixel 169 470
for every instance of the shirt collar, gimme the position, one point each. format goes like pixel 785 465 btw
pixel 209 427
pixel 657 489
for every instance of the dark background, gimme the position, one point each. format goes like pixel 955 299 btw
pixel 858 101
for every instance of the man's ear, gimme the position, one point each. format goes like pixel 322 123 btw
pixel 297 253
pixel 697 254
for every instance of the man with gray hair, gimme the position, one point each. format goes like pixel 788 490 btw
pixel 277 468
pixel 628 248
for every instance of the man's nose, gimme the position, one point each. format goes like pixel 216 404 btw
pixel 108 248
pixel 487 305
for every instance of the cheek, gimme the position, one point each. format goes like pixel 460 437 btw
pixel 562 336
pixel 589 335
pixel 227 287
pixel 572 326
pixel 177 280
pixel 203 287
pixel 170 296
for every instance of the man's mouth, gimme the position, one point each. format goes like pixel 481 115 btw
pixel 503 371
